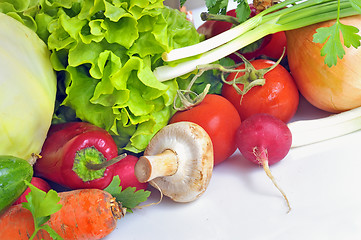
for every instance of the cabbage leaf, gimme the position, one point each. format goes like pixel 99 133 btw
pixel 27 90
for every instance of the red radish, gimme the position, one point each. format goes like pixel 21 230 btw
pixel 37 182
pixel 264 139
pixel 125 170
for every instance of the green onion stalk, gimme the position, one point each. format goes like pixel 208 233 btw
pixel 286 15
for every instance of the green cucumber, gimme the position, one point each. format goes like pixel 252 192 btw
pixel 13 172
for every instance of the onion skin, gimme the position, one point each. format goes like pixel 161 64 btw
pixel 334 89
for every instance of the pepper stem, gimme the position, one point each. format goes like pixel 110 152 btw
pixel 98 166
pixel 90 164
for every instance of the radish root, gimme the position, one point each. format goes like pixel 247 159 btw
pixel 154 203
pixel 262 157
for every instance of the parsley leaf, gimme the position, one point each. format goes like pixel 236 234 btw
pixel 217 6
pixel 333 48
pixel 182 2
pixel 331 36
pixel 42 205
pixel 129 197
pixel 243 10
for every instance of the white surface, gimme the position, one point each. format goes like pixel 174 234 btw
pixel 322 182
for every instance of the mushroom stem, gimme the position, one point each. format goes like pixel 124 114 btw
pixel 150 167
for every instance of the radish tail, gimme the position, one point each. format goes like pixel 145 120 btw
pixel 262 157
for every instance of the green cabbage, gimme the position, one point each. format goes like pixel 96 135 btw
pixel 104 52
pixel 27 90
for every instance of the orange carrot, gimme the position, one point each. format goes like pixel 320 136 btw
pixel 86 214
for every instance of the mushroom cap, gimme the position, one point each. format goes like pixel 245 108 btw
pixel 194 149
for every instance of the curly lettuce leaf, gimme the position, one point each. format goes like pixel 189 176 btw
pixel 104 52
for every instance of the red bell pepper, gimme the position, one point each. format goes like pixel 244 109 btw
pixel 77 155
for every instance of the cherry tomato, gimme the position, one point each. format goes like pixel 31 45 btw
pixel 219 119
pixel 274 48
pixel 278 96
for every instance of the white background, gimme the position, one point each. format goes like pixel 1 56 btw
pixel 322 182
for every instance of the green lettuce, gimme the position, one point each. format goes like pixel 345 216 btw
pixel 104 52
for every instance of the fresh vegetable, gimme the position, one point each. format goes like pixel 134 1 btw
pixel 286 15
pixel 13 172
pixel 271 46
pixel 28 89
pixel 104 53
pixel 125 170
pixel 265 140
pixel 178 161
pixel 276 45
pixel 84 214
pixel 78 155
pixel 333 89
pixel 36 182
pixel 219 118
pixel 130 197
pixel 306 132
pixel 264 87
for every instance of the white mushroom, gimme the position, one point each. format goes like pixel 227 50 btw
pixel 178 160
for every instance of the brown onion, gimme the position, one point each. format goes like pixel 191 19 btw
pixel 334 89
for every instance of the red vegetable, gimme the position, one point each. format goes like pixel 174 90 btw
pixel 76 155
pixel 125 170
pixel 275 46
pixel 271 46
pixel 218 117
pixel 37 182
pixel 278 96
pixel 264 140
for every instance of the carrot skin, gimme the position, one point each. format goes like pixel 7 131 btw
pixel 86 214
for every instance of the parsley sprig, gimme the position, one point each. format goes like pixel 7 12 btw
pixel 331 36
pixel 42 205
pixel 129 197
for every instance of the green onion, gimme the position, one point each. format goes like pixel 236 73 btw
pixel 305 132
pixel 287 15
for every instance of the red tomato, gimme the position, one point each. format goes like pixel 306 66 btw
pixel 278 96
pixel 274 48
pixel 218 117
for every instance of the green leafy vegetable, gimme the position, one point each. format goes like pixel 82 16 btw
pixel 129 197
pixel 217 6
pixel 333 48
pixel 243 10
pixel 104 52
pixel 42 205
pixel 27 89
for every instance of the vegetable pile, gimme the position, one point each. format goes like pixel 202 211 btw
pixel 104 53
pixel 126 94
